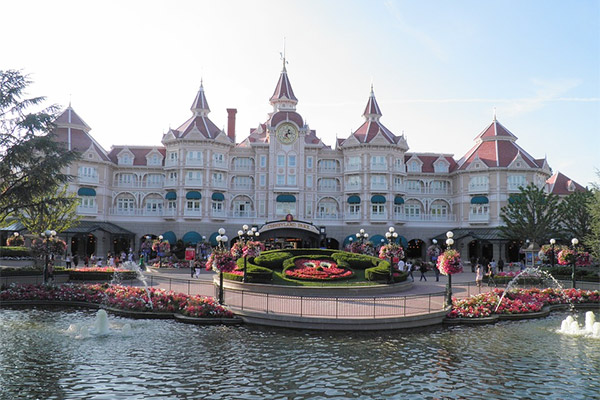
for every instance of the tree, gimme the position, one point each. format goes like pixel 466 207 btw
pixel 58 212
pixel 31 159
pixel 576 215
pixel 533 215
pixel 592 240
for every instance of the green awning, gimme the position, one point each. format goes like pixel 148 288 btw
pixel 86 192
pixel 192 195
pixel 170 236
pixel 173 195
pixel 286 198
pixel 191 237
pixel 354 200
pixel 213 239
pixel 398 200
pixel 379 199
pixel 218 196
pixel 479 200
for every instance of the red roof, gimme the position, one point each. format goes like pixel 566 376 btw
pixel 560 184
pixel 202 123
pixel 139 153
pixel 283 90
pixel 495 146
pixel 372 108
pixel 200 103
pixel 281 116
pixel 70 117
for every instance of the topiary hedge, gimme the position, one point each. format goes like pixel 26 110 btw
pixel 15 252
pixel 357 261
pixel 381 273
pixel 272 259
pixel 254 273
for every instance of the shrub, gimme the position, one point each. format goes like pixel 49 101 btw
pixel 381 273
pixel 272 259
pixel 356 261
pixel 15 252
pixel 254 273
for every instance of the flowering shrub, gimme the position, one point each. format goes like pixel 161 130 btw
pixel 221 260
pixel 567 256
pixel 391 251
pixel 309 269
pixel 121 297
pixel 15 241
pixel 366 248
pixel 545 253
pixel 100 269
pixel 449 262
pixel 162 247
pixel 55 246
pixel 253 249
pixel 519 301
pixel 433 252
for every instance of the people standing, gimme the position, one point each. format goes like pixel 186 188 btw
pixel 401 266
pixel 409 269
pixel 68 261
pixel 501 265
pixel 75 260
pixel 436 271
pixel 422 269
pixel 478 275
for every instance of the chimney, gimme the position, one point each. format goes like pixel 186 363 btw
pixel 231 123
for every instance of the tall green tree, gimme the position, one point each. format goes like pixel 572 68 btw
pixel 592 240
pixel 57 212
pixel 32 161
pixel 533 215
pixel 576 217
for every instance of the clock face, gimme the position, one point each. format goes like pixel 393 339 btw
pixel 287 133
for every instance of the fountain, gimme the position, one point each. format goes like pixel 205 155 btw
pixel 533 271
pixel 570 326
pixel 100 327
pixel 131 266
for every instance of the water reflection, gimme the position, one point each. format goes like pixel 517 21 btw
pixel 169 360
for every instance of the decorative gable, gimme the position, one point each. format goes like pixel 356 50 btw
pixel 477 164
pixel 441 165
pixel 125 157
pixel 154 158
pixel 414 164
pixel 518 162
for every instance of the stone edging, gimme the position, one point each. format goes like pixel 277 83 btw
pixel 515 317
pixel 126 313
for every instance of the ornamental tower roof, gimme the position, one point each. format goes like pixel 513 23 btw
pixel 283 97
pixel 199 123
pixel 200 105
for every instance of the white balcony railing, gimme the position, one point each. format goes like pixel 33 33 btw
pixel 125 211
pixel 479 217
pixel 352 216
pixel 353 167
pixel 243 214
pixel 379 167
pixel 87 179
pixel 218 214
pixel 353 186
pixel 171 182
pixel 171 163
pixel 194 161
pixel 326 170
pixel 379 216
pixel 192 212
pixel 87 210
pixel 328 188
pixel 379 186
pixel 193 182
pixel 219 164
pixel 152 213
pixel 171 212
pixel 242 186
pixel 326 215
pixel 219 184
pixel 479 188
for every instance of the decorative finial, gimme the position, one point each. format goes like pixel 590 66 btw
pixel 69 100
pixel 201 83
pixel 282 55
pixel 494 113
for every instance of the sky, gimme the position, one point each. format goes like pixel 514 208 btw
pixel 131 69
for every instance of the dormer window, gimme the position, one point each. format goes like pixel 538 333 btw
pixel 571 186
pixel 154 160
pixel 414 166
pixel 125 159
pixel 440 166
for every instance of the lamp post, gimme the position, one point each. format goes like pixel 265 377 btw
pixel 574 242
pixel 449 243
pixel 552 243
pixel 362 236
pixel 391 236
pixel 245 235
pixel 221 239
pixel 48 234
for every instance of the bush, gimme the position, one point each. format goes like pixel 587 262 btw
pixel 357 261
pixel 15 252
pixel 272 259
pixel 254 273
pixel 381 273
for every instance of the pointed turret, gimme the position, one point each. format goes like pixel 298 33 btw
pixel 372 111
pixel 200 105
pixel 283 97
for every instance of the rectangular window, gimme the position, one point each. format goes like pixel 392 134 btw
pixel 309 181
pixel 281 160
pixel 378 162
pixel 309 162
pixel 172 205
pixel 261 207
pixel 262 178
pixel 292 180
pixel 192 205
pixel 280 180
pixel 378 209
pixel 263 161
pixel 354 209
pixel 354 163
pixel 291 160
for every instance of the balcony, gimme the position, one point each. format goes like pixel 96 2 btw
pixel 170 213
pixel 328 189
pixel 415 190
pixel 430 217
pixel 326 215
pixel 171 163
pixel 243 214
pixel 379 167
pixel 439 191
pixel 353 167
pixel 219 164
pixel 132 212
pixel 483 188
pixel 243 168
pixel 353 186
pixel 242 186
pixel 193 182
pixel 398 188
pixel 479 218
pixel 87 210
pixel 379 186
pixel 152 212
pixel 218 214
pixel 120 184
pixel 170 182
pixel 192 213
pixel 87 179
pixel 219 184
pixel 400 168
pixel 352 216
pixel 514 187
pixel 329 170
pixel 153 185
pixel 379 216
pixel 194 162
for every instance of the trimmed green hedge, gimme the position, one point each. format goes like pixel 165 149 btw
pixel 272 259
pixel 254 273
pixel 15 251
pixel 381 273
pixel 357 261
pixel 29 271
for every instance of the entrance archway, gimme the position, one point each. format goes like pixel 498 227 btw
pixel 415 249
pixel 513 248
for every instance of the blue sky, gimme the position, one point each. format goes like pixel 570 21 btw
pixel 132 69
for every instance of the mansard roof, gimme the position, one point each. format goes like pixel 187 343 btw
pixel 139 153
pixel 428 160
pixel 496 147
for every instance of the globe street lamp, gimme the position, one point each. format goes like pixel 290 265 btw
pixel 245 235
pixel 160 253
pixel 48 234
pixel 449 243
pixel 574 242
pixel 391 236
pixel 552 243
pixel 221 240
pixel 362 236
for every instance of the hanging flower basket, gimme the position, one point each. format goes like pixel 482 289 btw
pixel 449 262
pixel 391 251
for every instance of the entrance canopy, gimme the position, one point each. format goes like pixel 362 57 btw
pixel 192 237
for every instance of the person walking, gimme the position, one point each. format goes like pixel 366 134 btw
pixel 75 260
pixel 422 269
pixel 409 269
pixel 478 275
pixel 501 265
pixel 68 261
pixel 436 271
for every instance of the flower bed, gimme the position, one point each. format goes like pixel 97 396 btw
pixel 317 270
pixel 520 301
pixel 100 274
pixel 123 298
